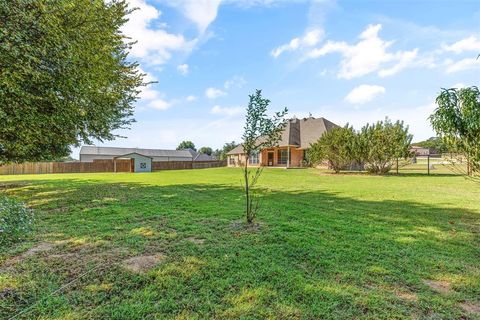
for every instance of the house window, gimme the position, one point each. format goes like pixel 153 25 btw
pixel 143 165
pixel 254 158
pixel 232 160
pixel 282 156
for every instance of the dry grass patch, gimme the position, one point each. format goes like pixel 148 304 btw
pixel 471 307
pixel 142 264
pixel 443 287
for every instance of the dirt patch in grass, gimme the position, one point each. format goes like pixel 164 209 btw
pixel 443 287
pixel 142 264
pixel 39 248
pixel 471 307
pixel 407 296
pixel 240 225
pixel 195 240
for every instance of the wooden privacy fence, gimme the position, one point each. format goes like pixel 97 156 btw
pixel 123 165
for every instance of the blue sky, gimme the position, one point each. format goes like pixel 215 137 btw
pixel 347 61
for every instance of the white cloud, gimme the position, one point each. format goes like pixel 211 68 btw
pixel 226 111
pixel 200 12
pixel 235 82
pixel 459 85
pixel 154 45
pixel 368 55
pixel 471 43
pixel 364 93
pixel 213 93
pixel 461 65
pixel 160 104
pixel 183 69
pixel 191 98
pixel 310 39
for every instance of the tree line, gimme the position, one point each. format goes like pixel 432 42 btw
pixel 375 147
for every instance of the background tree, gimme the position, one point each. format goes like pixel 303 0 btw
pixel 186 145
pixel 221 154
pixel 457 121
pixel 64 76
pixel 335 146
pixel 260 131
pixel 382 144
pixel 206 150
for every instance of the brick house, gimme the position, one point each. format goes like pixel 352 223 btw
pixel 290 151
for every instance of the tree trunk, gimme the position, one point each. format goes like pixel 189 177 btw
pixel 247 193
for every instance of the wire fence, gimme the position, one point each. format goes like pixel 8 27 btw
pixel 444 164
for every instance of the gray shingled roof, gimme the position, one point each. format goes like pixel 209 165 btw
pixel 113 151
pixel 299 133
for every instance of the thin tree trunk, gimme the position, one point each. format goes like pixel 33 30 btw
pixel 247 192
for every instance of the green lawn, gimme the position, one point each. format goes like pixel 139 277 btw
pixel 327 247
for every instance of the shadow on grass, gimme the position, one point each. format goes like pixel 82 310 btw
pixel 316 254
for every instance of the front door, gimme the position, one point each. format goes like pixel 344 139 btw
pixel 132 165
pixel 270 159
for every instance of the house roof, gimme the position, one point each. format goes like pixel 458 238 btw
pixel 113 151
pixel 299 133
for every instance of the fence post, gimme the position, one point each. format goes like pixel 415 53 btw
pixel 397 165
pixel 428 164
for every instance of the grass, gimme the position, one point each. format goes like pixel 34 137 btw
pixel 327 247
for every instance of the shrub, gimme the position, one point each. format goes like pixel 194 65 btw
pixel 382 143
pixel 16 220
pixel 336 147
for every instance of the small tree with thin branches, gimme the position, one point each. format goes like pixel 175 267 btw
pixel 260 131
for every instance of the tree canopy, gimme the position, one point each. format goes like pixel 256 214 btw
pixel 221 154
pixel 382 143
pixel 457 121
pixel 64 76
pixel 336 146
pixel 206 150
pixel 186 145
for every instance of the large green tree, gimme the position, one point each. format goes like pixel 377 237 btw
pixel 260 131
pixel 336 146
pixel 457 121
pixel 64 76
pixel 186 145
pixel 382 143
pixel 221 154
pixel 206 150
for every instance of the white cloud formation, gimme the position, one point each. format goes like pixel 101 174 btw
pixel 471 43
pixel 183 69
pixel 226 111
pixel 160 104
pixel 200 12
pixel 191 98
pixel 461 65
pixel 154 45
pixel 368 55
pixel 310 39
pixel 213 93
pixel 235 82
pixel 364 93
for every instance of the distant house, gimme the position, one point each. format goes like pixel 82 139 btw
pixel 290 152
pixel 141 158
pixel 422 151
